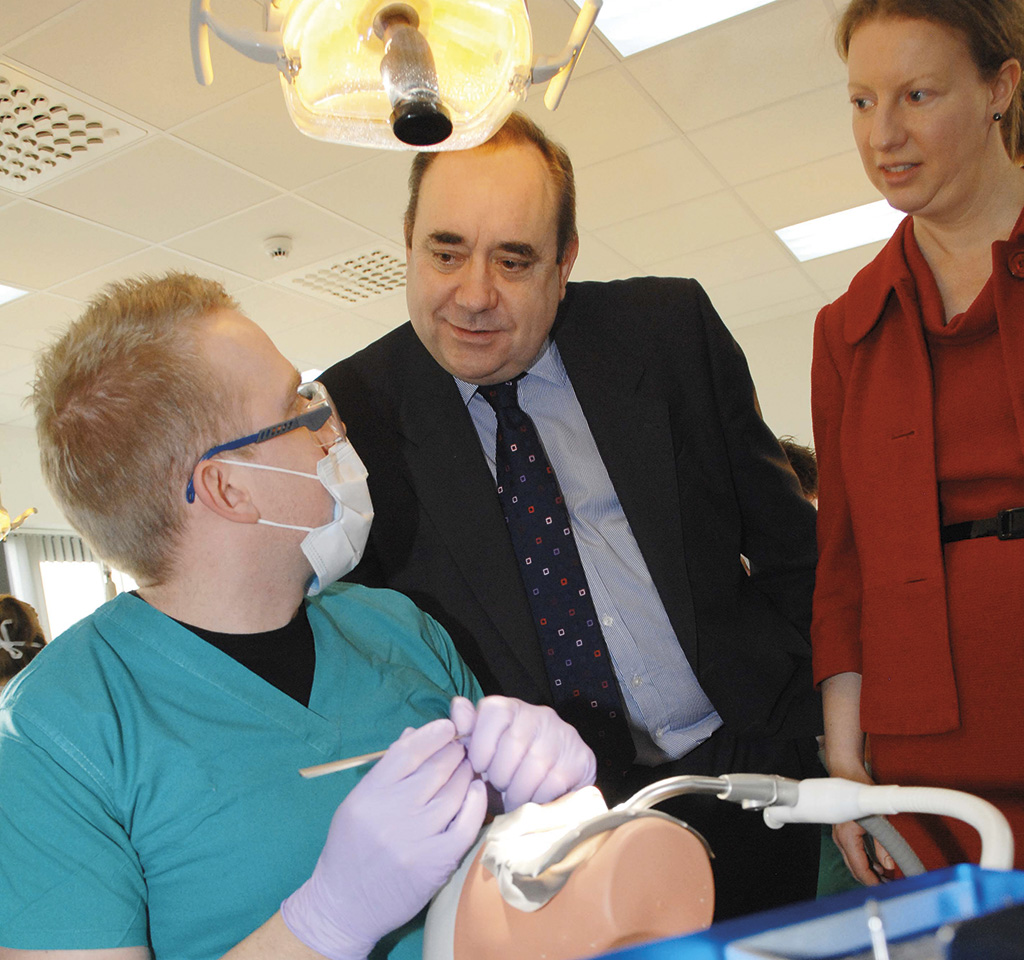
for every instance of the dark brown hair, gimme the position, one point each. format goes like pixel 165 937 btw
pixel 805 465
pixel 22 631
pixel 517 129
pixel 992 29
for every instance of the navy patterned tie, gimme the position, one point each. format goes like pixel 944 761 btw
pixel 580 671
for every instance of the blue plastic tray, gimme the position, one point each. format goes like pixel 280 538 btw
pixel 837 925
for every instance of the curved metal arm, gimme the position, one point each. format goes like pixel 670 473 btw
pixel 263 46
pixel 558 69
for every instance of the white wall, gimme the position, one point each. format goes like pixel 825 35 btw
pixel 21 481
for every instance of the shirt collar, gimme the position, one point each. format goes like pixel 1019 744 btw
pixel 548 366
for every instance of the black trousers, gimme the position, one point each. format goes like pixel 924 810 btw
pixel 756 868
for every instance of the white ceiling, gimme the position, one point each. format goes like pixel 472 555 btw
pixel 688 157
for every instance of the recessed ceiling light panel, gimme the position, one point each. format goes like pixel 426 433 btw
pixel 635 25
pixel 841 231
pixel 46 132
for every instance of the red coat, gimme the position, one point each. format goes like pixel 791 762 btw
pixel 880 599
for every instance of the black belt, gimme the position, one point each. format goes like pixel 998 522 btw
pixel 1006 525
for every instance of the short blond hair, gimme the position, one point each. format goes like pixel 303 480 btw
pixel 125 405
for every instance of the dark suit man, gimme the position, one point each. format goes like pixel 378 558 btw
pixel 647 414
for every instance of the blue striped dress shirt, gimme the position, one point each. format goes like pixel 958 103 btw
pixel 669 712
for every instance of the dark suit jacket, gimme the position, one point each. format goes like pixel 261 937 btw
pixel 701 479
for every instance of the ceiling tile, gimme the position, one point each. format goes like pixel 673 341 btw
pixel 641 181
pixel 602 115
pixel 138 57
pixel 704 222
pixel 765 290
pixel 157 190
pixel 810 191
pixel 11 358
pixel 36 320
pixel 237 242
pixel 153 261
pixel 741 64
pixel 780 136
pixel 18 17
pixel 838 269
pixel 325 341
pixel 277 310
pixel 811 303
pixel 255 132
pixel 52 246
pixel 778 352
pixel 387 312
pixel 373 193
pixel 735 260
pixel 597 261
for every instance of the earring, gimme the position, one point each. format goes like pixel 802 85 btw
pixel 997 117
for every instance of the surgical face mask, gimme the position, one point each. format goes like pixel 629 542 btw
pixel 336 547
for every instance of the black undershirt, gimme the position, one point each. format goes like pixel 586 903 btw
pixel 285 658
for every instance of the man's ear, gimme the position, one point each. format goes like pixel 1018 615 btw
pixel 217 487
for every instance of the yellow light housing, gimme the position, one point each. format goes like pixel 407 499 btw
pixel 422 74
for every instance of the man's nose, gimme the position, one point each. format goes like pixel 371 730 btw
pixel 476 291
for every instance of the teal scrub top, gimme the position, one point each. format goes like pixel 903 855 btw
pixel 149 786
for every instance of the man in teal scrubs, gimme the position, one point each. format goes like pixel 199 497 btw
pixel 150 799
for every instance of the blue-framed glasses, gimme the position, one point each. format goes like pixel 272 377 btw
pixel 319 418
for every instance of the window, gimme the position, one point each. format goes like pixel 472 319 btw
pixel 61 577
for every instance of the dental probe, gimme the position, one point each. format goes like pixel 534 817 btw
pixel 335 766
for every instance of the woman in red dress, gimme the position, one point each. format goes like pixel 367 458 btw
pixel 918 403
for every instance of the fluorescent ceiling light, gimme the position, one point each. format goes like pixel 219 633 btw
pixel 841 231
pixel 7 294
pixel 634 25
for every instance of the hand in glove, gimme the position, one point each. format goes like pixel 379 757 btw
pixel 527 752
pixel 393 842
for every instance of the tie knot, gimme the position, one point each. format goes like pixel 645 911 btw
pixel 502 395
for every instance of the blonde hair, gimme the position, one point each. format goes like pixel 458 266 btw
pixel 992 29
pixel 125 405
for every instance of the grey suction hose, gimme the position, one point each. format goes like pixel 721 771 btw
pixel 890 838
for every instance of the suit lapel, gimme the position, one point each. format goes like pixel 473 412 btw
pixel 456 490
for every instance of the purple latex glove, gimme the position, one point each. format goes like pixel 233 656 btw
pixel 393 842
pixel 529 753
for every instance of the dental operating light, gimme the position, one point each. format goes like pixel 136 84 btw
pixel 423 74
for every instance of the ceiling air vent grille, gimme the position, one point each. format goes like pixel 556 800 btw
pixel 46 132
pixel 349 279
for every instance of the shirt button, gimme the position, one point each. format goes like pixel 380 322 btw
pixel 1016 264
pixel 607 621
pixel 637 680
pixel 660 732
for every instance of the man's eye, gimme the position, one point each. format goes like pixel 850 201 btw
pixel 916 96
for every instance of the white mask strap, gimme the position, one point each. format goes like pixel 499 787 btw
pixel 265 466
pixel 9 645
pixel 285 526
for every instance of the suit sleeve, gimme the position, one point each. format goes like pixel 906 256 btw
pixel 835 629
pixel 777 523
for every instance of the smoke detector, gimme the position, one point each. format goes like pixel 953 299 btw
pixel 278 248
